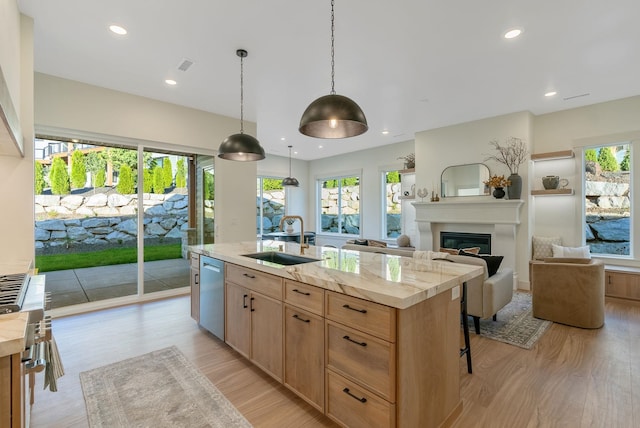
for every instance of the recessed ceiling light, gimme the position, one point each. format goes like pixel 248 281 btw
pixel 319 147
pixel 550 94
pixel 513 33
pixel 121 31
pixel 170 82
pixel 385 132
pixel 74 140
pixel 282 139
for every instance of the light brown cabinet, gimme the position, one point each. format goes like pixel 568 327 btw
pixel 304 355
pixel 362 364
pixel 623 284
pixel 194 281
pixel 253 320
pixel 14 392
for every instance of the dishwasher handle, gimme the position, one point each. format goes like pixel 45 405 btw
pixel 211 267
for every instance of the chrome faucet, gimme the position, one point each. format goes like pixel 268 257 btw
pixel 303 245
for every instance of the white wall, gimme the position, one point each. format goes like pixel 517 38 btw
pixel 11 137
pixel 369 163
pixel 17 224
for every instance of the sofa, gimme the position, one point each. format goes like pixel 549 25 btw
pixel 374 246
pixel 568 291
pixel 486 295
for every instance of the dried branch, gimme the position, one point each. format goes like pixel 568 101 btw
pixel 512 154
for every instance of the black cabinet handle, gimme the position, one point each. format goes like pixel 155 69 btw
pixel 362 311
pixel 251 304
pixel 301 292
pixel 360 399
pixel 249 276
pixel 301 319
pixel 244 301
pixel 354 341
pixel 196 279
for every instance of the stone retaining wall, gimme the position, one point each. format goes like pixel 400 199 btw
pixel 608 224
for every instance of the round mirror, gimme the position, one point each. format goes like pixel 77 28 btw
pixel 465 180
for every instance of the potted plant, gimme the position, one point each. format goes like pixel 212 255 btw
pixel 498 182
pixel 409 160
pixel 512 154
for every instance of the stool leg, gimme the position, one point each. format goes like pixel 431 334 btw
pixel 465 327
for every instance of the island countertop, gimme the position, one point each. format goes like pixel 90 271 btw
pixel 390 280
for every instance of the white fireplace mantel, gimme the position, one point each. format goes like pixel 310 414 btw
pixel 483 214
pixel 475 211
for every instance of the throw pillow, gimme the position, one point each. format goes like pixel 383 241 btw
pixel 493 262
pixel 472 250
pixel 542 246
pixel 571 252
pixel 361 242
pixel 374 243
pixel 403 241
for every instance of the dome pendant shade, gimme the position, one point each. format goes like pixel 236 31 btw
pixel 241 147
pixel 333 116
pixel 290 182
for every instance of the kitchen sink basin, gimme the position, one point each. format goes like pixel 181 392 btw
pixel 281 258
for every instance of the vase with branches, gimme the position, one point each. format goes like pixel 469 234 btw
pixel 512 153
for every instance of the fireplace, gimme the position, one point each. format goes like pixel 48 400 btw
pixel 460 240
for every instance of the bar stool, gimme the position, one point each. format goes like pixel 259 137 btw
pixel 465 327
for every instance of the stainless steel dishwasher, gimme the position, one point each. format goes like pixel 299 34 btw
pixel 212 295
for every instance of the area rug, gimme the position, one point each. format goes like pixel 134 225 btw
pixel 158 389
pixel 515 324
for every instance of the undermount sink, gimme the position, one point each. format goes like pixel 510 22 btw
pixel 280 258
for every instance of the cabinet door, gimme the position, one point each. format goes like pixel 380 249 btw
pixel 622 284
pixel 195 294
pixel 266 334
pixel 237 318
pixel 304 354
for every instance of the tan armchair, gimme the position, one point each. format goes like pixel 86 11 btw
pixel 568 291
pixel 486 295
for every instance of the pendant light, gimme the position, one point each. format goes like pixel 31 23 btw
pixel 241 147
pixel 333 116
pixel 290 181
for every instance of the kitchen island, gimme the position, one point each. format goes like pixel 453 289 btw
pixel 368 339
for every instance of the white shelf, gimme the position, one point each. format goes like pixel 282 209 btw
pixel 562 154
pixel 552 192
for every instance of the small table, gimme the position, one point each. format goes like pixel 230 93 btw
pixel 309 237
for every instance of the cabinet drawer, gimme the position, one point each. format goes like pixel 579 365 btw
pixel 370 317
pixel 195 260
pixel 354 406
pixel 304 296
pixel 264 283
pixel 362 357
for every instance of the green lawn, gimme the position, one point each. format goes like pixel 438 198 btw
pixel 113 256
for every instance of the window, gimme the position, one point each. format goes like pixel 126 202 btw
pixel 392 214
pixel 270 204
pixel 607 173
pixel 340 205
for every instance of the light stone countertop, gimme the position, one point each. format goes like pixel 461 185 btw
pixel 394 281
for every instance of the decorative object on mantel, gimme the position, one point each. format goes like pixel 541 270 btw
pixel 512 154
pixel 550 181
pixel 409 160
pixel 423 193
pixel 290 222
pixel 563 183
pixel 498 182
pixel 435 197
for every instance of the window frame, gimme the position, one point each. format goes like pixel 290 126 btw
pixel 319 180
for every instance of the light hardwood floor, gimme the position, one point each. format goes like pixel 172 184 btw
pixel 571 378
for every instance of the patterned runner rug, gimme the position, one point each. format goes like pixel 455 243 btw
pixel 515 324
pixel 158 389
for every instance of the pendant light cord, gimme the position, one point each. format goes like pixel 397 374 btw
pixel 241 94
pixel 290 161
pixel 333 64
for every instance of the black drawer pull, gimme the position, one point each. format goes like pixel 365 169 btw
pixel 362 311
pixel 301 292
pixel 362 400
pixel 249 276
pixel 354 341
pixel 196 279
pixel 301 319
pixel 244 301
pixel 251 304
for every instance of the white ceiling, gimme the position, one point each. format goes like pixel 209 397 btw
pixel 411 65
